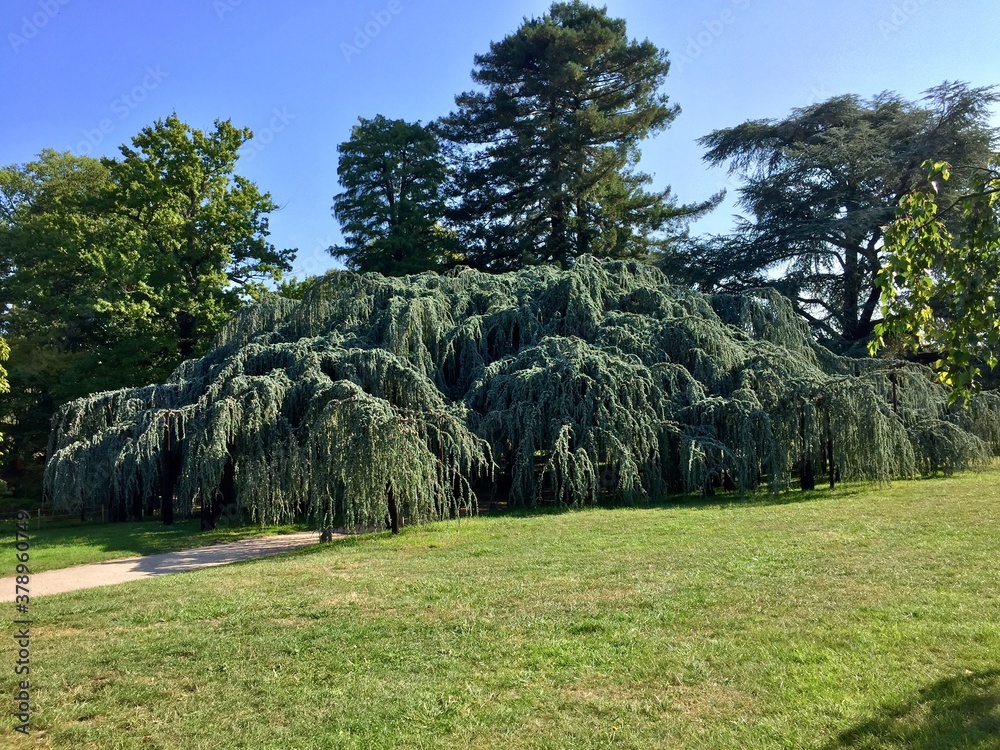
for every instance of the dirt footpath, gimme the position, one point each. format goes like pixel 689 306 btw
pixel 133 568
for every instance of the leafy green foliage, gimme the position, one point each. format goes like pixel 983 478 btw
pixel 53 231
pixel 390 210
pixel 602 381
pixel 4 356
pixel 941 281
pixel 547 148
pixel 4 388
pixel 290 287
pixel 114 271
pixel 821 185
pixel 200 231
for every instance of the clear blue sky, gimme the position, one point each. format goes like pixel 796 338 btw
pixel 85 76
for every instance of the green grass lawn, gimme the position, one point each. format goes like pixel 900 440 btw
pixel 74 544
pixel 852 619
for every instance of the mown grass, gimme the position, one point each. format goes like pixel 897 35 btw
pixel 75 543
pixel 852 619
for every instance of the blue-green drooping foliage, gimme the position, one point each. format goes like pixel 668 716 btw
pixel 414 395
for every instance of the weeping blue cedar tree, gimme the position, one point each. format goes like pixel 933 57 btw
pixel 413 397
pixel 546 148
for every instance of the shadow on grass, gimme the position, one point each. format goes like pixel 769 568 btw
pixel 726 499
pixel 720 500
pixel 956 712
pixel 134 537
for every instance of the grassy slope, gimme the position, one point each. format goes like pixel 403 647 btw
pixel 862 619
pixel 74 544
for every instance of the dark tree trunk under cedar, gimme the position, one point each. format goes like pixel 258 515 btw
pixel 807 475
pixel 393 513
pixel 119 512
pixel 137 504
pixel 136 500
pixel 207 522
pixel 167 476
pixel 727 482
pixel 186 334
pixel 830 465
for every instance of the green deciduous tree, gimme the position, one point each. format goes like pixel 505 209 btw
pixel 547 148
pixel 114 271
pixel 52 232
pixel 821 185
pixel 4 388
pixel 390 209
pixel 4 356
pixel 199 235
pixel 941 281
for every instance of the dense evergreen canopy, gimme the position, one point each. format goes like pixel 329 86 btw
pixel 393 199
pixel 404 397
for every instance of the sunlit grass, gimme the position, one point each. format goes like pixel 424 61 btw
pixel 859 618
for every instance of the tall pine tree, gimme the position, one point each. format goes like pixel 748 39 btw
pixel 548 148
pixel 392 203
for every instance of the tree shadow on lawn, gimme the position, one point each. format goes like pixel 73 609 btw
pixel 955 712
pixel 721 499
